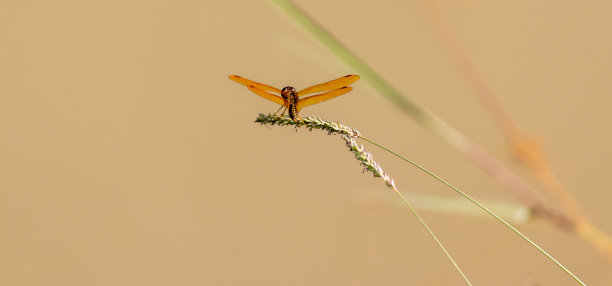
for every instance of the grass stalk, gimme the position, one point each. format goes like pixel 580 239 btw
pixel 349 135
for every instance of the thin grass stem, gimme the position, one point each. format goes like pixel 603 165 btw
pixel 481 207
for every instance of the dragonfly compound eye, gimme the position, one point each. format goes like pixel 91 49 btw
pixel 288 89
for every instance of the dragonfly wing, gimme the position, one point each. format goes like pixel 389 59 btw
pixel 322 97
pixel 248 82
pixel 267 95
pixel 334 84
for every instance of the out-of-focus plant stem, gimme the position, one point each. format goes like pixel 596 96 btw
pixel 525 193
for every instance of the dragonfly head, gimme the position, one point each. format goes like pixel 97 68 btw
pixel 288 91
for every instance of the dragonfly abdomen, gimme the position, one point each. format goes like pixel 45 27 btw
pixel 293 113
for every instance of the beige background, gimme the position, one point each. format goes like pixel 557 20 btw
pixel 128 158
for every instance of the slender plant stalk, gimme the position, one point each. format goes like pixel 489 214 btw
pixel 367 161
pixel 349 135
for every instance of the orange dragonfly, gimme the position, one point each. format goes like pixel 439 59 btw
pixel 289 98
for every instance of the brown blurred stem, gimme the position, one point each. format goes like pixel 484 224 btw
pixel 525 148
pixel 464 145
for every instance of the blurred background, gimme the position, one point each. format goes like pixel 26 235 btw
pixel 127 157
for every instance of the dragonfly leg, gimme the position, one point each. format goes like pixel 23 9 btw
pixel 282 106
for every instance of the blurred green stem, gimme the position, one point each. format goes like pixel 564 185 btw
pixel 427 119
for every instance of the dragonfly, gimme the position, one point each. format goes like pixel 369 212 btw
pixel 290 99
